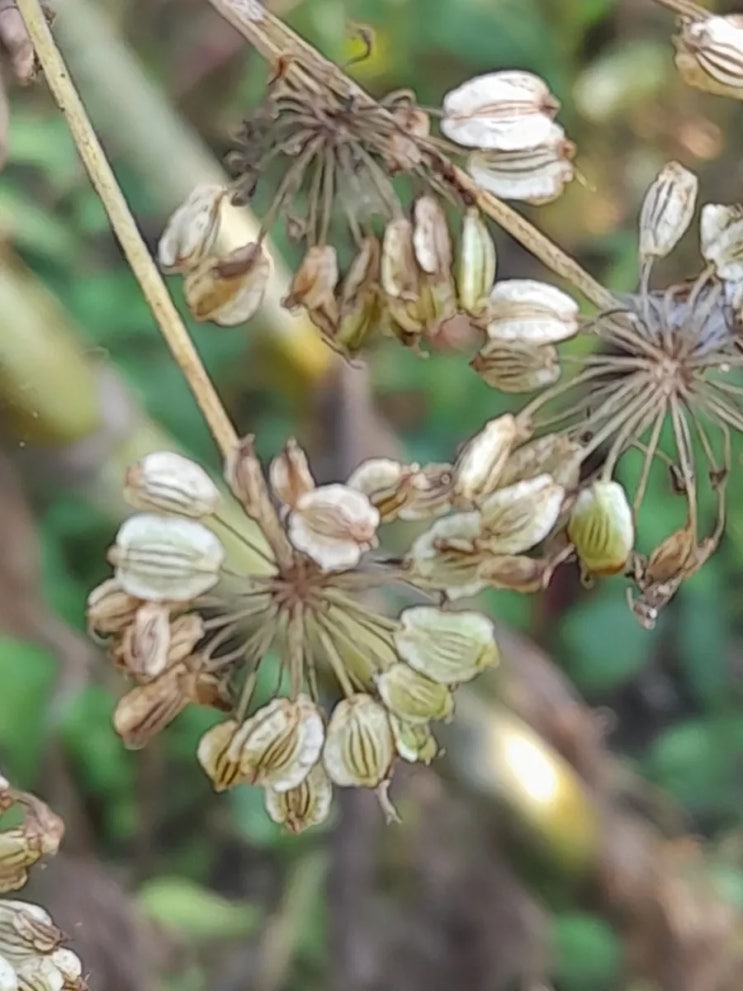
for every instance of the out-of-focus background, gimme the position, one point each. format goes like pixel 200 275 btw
pixel 584 830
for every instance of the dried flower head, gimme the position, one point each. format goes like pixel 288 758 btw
pixel 189 625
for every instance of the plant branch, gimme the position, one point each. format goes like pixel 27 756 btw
pixel 142 265
pixel 685 8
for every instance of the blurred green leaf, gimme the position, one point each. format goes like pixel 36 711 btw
pixel 194 911
pixel 27 675
pixel 588 953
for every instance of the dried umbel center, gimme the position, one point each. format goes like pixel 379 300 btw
pixel 187 624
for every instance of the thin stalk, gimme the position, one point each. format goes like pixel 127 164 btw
pixel 122 222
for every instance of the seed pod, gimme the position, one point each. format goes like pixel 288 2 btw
pixel 482 458
pixel 399 270
pixel 23 934
pixel 359 297
pixel 110 609
pixel 476 263
pixel 218 757
pixel 602 529
pixel 169 483
pixel 709 54
pixel 513 366
pixel 521 516
pixel 518 573
pixel 304 806
pixel 313 287
pixel 334 525
pixel 448 555
pixel 667 210
pixel 359 748
pixel 553 454
pixel 192 230
pixel 530 312
pixel 537 175
pixel 412 696
pixel 8 976
pixel 146 641
pixel 290 474
pixel 185 633
pixel 431 492
pixel 229 290
pixel 70 967
pixel 431 239
pixel 38 974
pixel 385 483
pixel 413 741
pixel 447 647
pixel 280 743
pixel 146 710
pixel 721 236
pixel 165 558
pixel 509 110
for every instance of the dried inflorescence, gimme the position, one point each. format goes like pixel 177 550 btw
pixel 32 951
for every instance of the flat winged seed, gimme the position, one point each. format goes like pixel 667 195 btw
pixel 413 741
pixel 8 976
pixel 23 934
pixel 109 608
pixel 385 483
pixel 667 210
pixel 713 45
pixel 314 284
pixel 164 558
pixel 517 572
pixel 167 482
pixel 399 270
pixel 431 492
pixel 447 647
pixel 431 239
pixel 334 525
pixel 476 263
pixel 721 236
pixel 601 528
pixel 304 806
pixel 280 743
pixel 513 366
pixel 359 748
pixel 359 296
pixel 507 110
pixel 553 454
pixel 39 974
pixel 480 463
pixel 522 515
pixel 290 474
pixel 530 312
pixel 448 555
pixel 219 759
pixel 70 967
pixel 146 710
pixel 185 633
pixel 146 641
pixel 412 696
pixel 192 230
pixel 231 289
pixel 536 175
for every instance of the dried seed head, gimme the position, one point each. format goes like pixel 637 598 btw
pixel 359 748
pixel 146 710
pixel 290 474
pixel 536 175
pixel 709 54
pixel 513 366
pixel 481 460
pixel 602 528
pixel 280 743
pixel 304 806
pixel 165 558
pixel 413 741
pixel 169 483
pixel 229 290
pixel 110 609
pixel 508 110
pixel 476 263
pixel 334 525
pixel 531 312
pixel 667 210
pixel 191 231
pixel 721 235
pixel 522 515
pixel 146 641
pixel 412 696
pixel 431 239
pixel 447 647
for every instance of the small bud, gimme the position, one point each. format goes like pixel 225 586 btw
pixel 359 297
pixel 667 210
pixel 431 239
pixel 334 525
pixel 146 710
pixel 475 264
pixel 721 235
pixel 110 609
pixel 482 458
pixel 522 515
pixel 169 483
pixel 413 696
pixel 192 230
pixel 304 806
pixel 602 529
pixel 710 54
pixel 447 647
pixel 537 175
pixel 553 454
pixel 290 474
pixel 530 312
pixel 513 366
pixel 229 290
pixel 509 110
pixel 164 558
pixel 279 745
pixel 413 741
pixel 146 641
pixel 359 748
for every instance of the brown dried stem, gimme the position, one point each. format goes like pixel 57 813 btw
pixel 142 265
pixel 296 58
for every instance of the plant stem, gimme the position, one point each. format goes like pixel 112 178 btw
pixel 122 222
pixel 685 8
